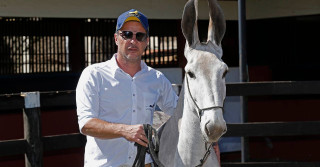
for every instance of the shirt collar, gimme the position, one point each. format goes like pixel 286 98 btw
pixel 114 65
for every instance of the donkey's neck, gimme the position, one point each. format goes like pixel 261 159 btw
pixel 191 145
pixel 170 134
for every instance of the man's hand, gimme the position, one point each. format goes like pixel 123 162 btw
pixel 135 133
pixel 106 130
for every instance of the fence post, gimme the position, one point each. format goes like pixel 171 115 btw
pixel 32 129
pixel 244 76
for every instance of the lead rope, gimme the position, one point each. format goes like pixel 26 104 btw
pixel 152 149
pixel 206 155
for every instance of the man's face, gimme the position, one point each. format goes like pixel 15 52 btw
pixel 131 49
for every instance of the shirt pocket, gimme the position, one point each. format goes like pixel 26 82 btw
pixel 150 102
pixel 115 106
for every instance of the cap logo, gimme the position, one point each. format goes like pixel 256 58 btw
pixel 135 14
pixel 132 15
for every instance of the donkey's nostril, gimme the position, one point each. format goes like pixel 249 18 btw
pixel 225 131
pixel 207 130
pixel 213 129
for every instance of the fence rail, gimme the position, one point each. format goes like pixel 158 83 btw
pixel 57 142
pixel 274 88
pixel 274 129
pixel 67 98
pixel 13 147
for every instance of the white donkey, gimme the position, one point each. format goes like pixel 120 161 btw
pixel 185 139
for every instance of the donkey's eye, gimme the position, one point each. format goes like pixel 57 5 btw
pixel 191 74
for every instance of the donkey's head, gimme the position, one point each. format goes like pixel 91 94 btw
pixel 205 70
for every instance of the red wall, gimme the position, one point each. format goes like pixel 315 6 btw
pixel 54 122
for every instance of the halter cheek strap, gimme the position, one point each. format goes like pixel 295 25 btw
pixel 200 111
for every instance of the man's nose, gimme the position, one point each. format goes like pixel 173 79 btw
pixel 133 39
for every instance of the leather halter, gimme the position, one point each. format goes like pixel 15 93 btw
pixel 200 112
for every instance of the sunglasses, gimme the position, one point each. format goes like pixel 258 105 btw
pixel 140 36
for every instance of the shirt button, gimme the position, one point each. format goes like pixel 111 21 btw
pixel 133 95
pixel 129 157
pixel 134 110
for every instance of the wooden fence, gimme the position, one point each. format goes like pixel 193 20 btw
pixel 33 145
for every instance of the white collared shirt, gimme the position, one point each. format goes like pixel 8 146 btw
pixel 106 92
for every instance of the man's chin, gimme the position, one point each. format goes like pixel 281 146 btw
pixel 133 58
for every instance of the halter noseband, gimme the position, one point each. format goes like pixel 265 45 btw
pixel 200 111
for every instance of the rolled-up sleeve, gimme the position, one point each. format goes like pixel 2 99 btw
pixel 87 96
pixel 168 98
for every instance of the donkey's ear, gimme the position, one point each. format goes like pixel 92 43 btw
pixel 189 22
pixel 217 23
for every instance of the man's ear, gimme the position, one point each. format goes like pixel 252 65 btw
pixel 115 38
pixel 147 44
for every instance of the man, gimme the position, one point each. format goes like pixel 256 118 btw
pixel 114 98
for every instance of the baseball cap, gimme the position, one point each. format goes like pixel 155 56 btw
pixel 133 15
